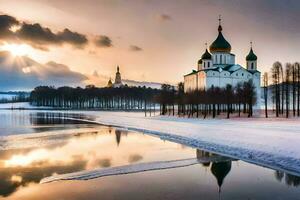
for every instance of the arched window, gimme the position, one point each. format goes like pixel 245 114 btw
pixel 208 64
pixel 220 59
pixel 252 65
pixel 204 64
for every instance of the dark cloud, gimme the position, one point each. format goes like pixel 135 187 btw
pixel 103 41
pixel 24 73
pixel 135 48
pixel 72 37
pixel 164 17
pixel 6 22
pixel 37 35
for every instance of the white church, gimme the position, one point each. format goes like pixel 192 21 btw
pixel 217 68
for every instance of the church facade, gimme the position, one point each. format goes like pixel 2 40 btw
pixel 217 68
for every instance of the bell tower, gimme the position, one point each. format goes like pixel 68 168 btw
pixel 251 60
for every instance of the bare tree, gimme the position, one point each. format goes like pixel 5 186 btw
pixel 276 89
pixel 282 87
pixel 288 70
pixel 297 69
pixel 266 85
pixel 293 73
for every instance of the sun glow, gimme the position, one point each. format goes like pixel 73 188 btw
pixel 17 49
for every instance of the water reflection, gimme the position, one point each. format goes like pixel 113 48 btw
pixel 288 179
pixel 50 118
pixel 220 169
pixel 102 147
pixel 81 151
pixel 11 178
pixel 21 122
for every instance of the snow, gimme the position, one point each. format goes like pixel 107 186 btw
pixel 272 143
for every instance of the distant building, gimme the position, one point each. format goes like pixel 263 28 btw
pixel 217 68
pixel 109 84
pixel 118 80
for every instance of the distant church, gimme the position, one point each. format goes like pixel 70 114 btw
pixel 217 68
pixel 118 80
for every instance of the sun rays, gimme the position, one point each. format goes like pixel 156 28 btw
pixel 17 49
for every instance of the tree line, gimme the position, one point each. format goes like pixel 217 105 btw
pixel 211 102
pixel 91 97
pixel 169 99
pixel 15 97
pixel 284 90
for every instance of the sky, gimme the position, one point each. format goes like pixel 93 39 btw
pixel 158 41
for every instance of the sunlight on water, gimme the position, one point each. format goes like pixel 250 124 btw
pixel 61 147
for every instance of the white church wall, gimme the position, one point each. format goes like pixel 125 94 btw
pixel 231 59
pixel 223 58
pixel 190 82
pixel 251 65
pixel 201 80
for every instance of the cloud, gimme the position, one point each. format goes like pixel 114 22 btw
pixel 164 17
pixel 135 48
pixel 24 73
pixel 103 41
pixel 72 37
pixel 38 36
pixel 6 22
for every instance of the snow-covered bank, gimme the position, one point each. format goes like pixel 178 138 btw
pixel 269 142
pixel 273 142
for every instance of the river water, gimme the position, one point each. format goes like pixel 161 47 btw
pixel 35 145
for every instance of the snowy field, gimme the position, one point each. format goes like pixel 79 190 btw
pixel 270 142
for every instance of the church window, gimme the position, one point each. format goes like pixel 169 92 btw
pixel 220 59
pixel 204 64
pixel 237 74
pixel 208 64
pixel 252 65
pixel 242 74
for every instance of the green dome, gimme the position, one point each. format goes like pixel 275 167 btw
pixel 206 56
pixel 200 61
pixel 251 56
pixel 220 44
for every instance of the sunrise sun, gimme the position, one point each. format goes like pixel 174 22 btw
pixel 17 49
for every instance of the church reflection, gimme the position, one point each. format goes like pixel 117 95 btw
pixel 118 134
pixel 219 167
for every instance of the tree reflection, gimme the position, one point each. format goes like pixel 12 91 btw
pixel 290 180
pixel 42 118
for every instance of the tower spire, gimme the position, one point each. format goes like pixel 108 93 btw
pixel 220 27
